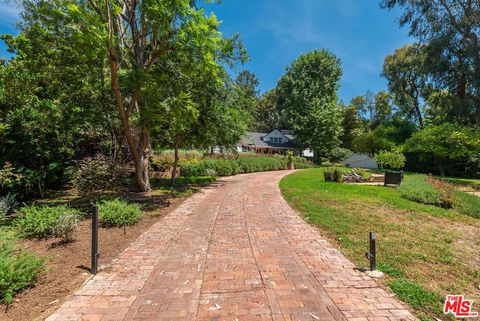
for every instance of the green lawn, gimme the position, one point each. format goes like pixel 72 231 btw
pixel 426 251
pixel 467 181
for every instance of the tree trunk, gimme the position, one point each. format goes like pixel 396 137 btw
pixel 418 112
pixel 145 153
pixel 140 150
pixel 41 190
pixel 441 167
pixel 175 163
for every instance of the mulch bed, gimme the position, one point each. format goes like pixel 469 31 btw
pixel 67 267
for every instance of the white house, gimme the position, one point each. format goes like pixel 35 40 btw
pixel 275 142
pixel 359 160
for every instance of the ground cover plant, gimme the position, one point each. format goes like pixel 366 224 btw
pixel 428 190
pixel 18 268
pixel 426 251
pixel 41 221
pixel 118 213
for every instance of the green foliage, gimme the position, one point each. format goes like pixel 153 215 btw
pixel 446 144
pixel 338 154
pixel 307 100
pixel 449 53
pixel 393 159
pixel 18 271
pixel 118 213
pixel 7 204
pixel 426 190
pixel 333 175
pixel 259 164
pixel 468 204
pixel 240 165
pixel 390 270
pixel 374 141
pixel 352 125
pixel 53 103
pixel 211 166
pixel 165 158
pixel 415 295
pixel 67 226
pixel 94 175
pixel 44 221
pixel 407 79
pixel 9 177
pixel 267 117
pixel 417 189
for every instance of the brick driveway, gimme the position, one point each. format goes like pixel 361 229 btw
pixel 235 251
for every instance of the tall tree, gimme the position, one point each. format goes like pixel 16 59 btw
pixel 266 116
pixel 407 80
pixel 351 125
pixel 449 29
pixel 383 109
pixel 54 99
pixel 248 83
pixel 446 144
pixel 307 100
pixel 139 36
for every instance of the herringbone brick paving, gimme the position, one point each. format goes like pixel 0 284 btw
pixel 234 251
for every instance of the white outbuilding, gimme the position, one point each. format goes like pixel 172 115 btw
pixel 359 160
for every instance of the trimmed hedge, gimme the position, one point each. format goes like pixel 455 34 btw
pixel 220 167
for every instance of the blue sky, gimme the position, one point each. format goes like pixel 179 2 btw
pixel 277 31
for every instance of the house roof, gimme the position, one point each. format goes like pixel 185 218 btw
pixel 255 139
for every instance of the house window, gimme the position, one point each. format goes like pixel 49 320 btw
pixel 271 139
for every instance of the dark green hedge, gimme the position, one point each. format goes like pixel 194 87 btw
pixel 220 167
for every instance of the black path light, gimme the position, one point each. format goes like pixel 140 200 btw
pixel 94 265
pixel 372 255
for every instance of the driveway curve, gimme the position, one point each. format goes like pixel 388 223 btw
pixel 234 251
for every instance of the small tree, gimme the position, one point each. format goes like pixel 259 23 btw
pixel 446 144
pixel 393 159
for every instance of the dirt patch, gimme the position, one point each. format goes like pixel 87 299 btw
pixel 67 267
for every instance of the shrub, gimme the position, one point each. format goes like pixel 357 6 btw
pixel 17 271
pixel 165 158
pixel 7 204
pixel 261 163
pixel 431 191
pixel 391 159
pixel 447 193
pixel 66 227
pixel 117 213
pixel 94 175
pixel 333 175
pixel 9 177
pixel 338 154
pixel 416 188
pixel 42 221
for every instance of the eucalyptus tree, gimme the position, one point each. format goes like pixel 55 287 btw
pixel 449 31
pixel 407 78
